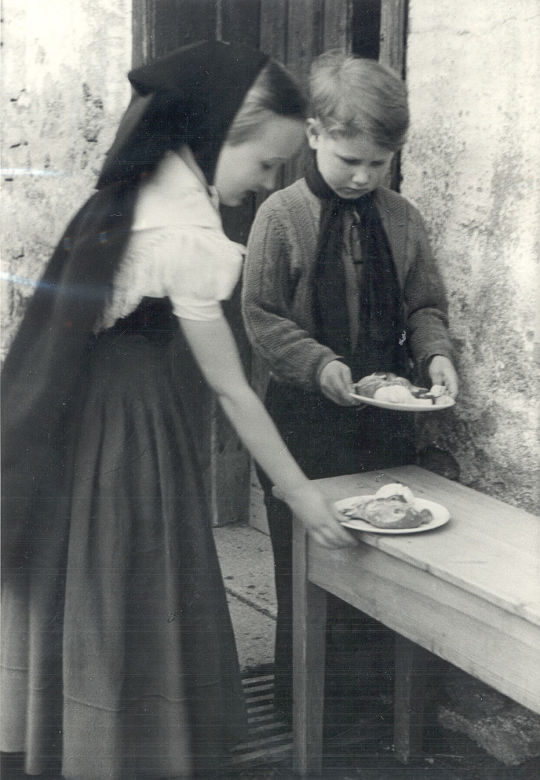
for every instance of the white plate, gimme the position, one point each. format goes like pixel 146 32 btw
pixel 439 512
pixel 444 402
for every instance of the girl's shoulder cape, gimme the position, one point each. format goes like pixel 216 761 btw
pixel 44 365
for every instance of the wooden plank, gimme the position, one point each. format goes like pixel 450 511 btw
pixel 174 23
pixel 257 509
pixel 230 461
pixel 139 33
pixel 266 755
pixel 240 21
pixel 304 42
pixel 309 645
pixel 159 27
pixel 427 484
pixel 366 28
pixel 272 41
pixel 494 645
pixel 420 583
pixel 337 27
pixel 392 49
pixel 498 517
pixel 410 681
pixel 485 537
pixel 304 36
pixel 392 34
pixel 273 28
pixel 468 558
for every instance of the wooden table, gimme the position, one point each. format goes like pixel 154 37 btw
pixel 468 592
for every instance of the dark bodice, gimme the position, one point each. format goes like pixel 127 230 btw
pixel 153 318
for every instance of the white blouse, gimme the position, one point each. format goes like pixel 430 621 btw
pixel 177 247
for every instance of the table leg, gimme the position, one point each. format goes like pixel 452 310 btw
pixel 309 640
pixel 410 665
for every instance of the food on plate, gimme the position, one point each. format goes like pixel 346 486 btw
pixel 368 385
pixel 392 507
pixel 437 390
pixel 395 389
pixel 395 489
pixel 395 394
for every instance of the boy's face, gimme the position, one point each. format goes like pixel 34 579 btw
pixel 352 167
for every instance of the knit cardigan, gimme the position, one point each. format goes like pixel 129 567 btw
pixel 278 284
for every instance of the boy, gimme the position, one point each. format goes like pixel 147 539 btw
pixel 340 282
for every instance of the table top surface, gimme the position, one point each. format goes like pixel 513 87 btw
pixel 488 548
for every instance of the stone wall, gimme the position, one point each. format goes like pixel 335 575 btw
pixel 472 165
pixel 64 87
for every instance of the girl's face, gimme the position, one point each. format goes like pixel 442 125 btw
pixel 253 164
pixel 352 167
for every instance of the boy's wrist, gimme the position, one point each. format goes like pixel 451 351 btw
pixel 327 358
pixel 425 364
pixel 428 361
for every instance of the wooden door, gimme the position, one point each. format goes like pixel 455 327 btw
pixel 292 31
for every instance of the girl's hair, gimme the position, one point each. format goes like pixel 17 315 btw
pixel 353 96
pixel 274 92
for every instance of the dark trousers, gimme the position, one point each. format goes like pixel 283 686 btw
pixel 327 440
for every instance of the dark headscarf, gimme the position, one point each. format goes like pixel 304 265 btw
pixel 380 345
pixel 191 96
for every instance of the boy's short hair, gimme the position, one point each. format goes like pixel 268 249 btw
pixel 355 96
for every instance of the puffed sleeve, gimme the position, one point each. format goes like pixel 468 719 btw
pixel 202 268
pixel 196 267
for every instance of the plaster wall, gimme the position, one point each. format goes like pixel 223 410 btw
pixel 472 166
pixel 64 88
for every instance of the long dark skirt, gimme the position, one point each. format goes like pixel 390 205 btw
pixel 118 653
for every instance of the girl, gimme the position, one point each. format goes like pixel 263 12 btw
pixel 118 657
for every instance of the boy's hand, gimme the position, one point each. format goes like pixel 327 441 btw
pixel 442 372
pixel 336 383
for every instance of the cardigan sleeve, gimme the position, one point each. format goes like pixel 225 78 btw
pixel 289 351
pixel 425 300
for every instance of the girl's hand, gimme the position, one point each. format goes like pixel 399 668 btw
pixel 318 516
pixel 336 383
pixel 442 372
pixel 213 346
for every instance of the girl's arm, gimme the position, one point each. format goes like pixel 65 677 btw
pixel 214 348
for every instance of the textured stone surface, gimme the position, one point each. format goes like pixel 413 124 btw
pixel 254 634
pixel 247 566
pixel 505 730
pixel 472 166
pixel 64 87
